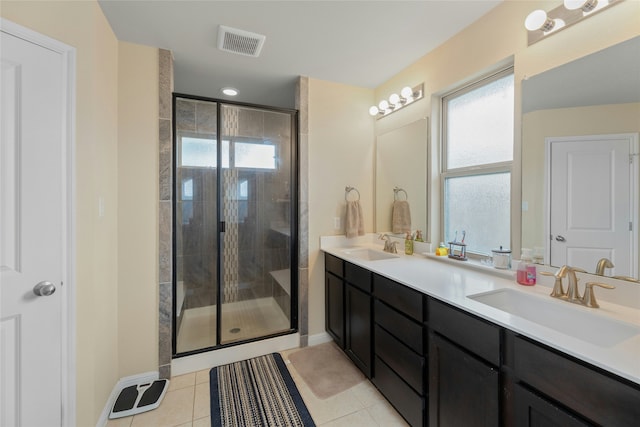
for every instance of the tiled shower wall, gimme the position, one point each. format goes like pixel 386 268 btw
pixel 165 250
pixel 165 254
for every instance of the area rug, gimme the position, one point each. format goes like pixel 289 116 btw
pixel 256 392
pixel 326 369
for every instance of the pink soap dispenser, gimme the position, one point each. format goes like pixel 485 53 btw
pixel 526 274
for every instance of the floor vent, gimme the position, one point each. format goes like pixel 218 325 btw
pixel 239 41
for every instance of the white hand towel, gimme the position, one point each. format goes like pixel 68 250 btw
pixel 401 217
pixel 354 224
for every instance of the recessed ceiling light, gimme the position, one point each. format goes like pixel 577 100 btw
pixel 230 91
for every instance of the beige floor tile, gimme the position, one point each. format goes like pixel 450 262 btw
pixel 120 422
pixel 175 409
pixel 202 376
pixel 368 394
pixel 386 415
pixel 361 418
pixel 202 401
pixel 202 422
pixel 182 381
pixel 189 424
pixel 323 411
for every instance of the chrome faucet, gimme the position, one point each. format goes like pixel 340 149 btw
pixel 573 293
pixel 602 264
pixel 389 245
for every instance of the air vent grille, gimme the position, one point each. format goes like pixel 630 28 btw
pixel 239 41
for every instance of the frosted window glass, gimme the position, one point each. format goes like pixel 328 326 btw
pixel 479 204
pixel 257 156
pixel 480 125
pixel 202 152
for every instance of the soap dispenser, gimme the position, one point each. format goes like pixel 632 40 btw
pixel 526 274
pixel 408 244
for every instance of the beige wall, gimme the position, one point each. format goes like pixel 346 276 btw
pixel 137 209
pixel 116 259
pixel 497 38
pixel 340 154
pixel 83 26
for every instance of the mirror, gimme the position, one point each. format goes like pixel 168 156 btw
pixel 401 163
pixel 598 94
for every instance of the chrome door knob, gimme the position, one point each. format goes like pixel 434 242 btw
pixel 560 238
pixel 44 289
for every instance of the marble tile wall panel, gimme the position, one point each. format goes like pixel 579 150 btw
pixel 302 105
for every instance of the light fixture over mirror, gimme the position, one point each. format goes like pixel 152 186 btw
pixel 396 102
pixel 541 24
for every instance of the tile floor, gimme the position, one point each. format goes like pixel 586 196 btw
pixel 186 404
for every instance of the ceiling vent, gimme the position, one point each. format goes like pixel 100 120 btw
pixel 239 41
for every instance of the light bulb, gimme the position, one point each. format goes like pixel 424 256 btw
pixel 584 5
pixel 229 91
pixel 406 92
pixel 383 105
pixel 538 20
pixel 374 110
pixel 394 99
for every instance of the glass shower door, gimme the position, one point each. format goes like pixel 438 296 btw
pixel 256 210
pixel 195 225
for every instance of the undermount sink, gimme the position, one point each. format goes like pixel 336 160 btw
pixel 560 316
pixel 368 254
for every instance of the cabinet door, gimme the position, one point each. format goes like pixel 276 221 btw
pixel 358 328
pixel 532 410
pixel 463 390
pixel 334 311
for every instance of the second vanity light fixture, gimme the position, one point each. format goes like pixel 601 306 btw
pixel 541 24
pixel 396 102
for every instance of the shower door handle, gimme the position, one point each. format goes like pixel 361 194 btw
pixel 222 227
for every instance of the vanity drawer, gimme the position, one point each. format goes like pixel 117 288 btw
pixel 334 265
pixel 595 395
pixel 358 276
pixel 476 335
pixel 405 362
pixel 400 297
pixel 406 401
pixel 403 328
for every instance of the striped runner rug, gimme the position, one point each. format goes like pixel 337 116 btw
pixel 256 392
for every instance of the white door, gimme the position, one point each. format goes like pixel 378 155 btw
pixel 593 192
pixel 32 231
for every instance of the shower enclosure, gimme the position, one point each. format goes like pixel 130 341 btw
pixel 235 174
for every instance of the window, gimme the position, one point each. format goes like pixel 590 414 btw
pixel 477 160
pixel 202 152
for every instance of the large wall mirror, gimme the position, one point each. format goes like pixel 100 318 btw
pixel 596 97
pixel 401 174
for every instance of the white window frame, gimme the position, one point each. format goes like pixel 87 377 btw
pixel 475 170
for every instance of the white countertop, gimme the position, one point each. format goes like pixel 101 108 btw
pixel 451 281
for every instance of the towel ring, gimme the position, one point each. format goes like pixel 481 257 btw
pixel 396 190
pixel 348 190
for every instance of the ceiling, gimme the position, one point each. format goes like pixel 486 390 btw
pixel 358 43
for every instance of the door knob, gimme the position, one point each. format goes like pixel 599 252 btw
pixel 44 289
pixel 559 238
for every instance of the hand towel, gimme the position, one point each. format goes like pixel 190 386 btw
pixel 401 217
pixel 354 223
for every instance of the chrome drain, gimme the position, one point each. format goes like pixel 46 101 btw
pixel 234 330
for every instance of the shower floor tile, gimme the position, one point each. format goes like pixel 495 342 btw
pixel 240 321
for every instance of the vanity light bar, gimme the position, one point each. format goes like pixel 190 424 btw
pixel 396 102
pixel 541 24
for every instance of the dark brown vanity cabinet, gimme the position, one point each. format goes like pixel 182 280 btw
pixel 464 368
pixel 560 390
pixel 334 298
pixel 348 317
pixel 439 365
pixel 399 348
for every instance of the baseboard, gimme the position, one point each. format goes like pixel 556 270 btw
pixel 147 377
pixel 320 338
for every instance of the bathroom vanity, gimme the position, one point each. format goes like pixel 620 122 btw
pixel 429 336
